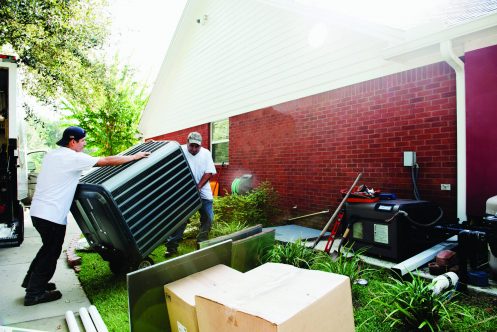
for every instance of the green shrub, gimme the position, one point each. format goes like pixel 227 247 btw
pixel 193 227
pixel 259 206
pixel 296 254
pixel 236 212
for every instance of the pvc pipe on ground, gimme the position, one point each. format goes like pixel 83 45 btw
pixel 87 322
pixel 97 319
pixel 71 322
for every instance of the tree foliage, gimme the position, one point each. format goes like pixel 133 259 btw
pixel 58 42
pixel 112 113
pixel 54 40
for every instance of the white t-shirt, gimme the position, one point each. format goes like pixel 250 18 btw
pixel 57 182
pixel 200 164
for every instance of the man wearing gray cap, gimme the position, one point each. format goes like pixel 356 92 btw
pixel 202 166
pixel 54 193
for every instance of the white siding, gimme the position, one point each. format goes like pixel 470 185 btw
pixel 250 54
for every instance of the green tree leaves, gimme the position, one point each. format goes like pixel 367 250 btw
pixel 112 113
pixel 54 40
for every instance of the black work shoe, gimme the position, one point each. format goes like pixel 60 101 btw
pixel 170 253
pixel 50 286
pixel 48 296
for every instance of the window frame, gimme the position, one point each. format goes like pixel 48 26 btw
pixel 213 142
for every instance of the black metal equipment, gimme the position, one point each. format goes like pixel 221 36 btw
pixel 472 244
pixel 393 229
pixel 126 211
pixel 11 210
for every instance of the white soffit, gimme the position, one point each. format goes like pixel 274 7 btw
pixel 230 57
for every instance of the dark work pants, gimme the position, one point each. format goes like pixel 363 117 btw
pixel 43 266
pixel 206 218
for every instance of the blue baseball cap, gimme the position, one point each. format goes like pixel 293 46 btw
pixel 70 133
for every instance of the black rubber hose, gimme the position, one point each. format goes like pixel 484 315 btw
pixel 405 214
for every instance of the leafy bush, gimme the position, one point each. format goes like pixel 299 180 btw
pixel 259 206
pixel 296 254
pixel 193 227
pixel 412 305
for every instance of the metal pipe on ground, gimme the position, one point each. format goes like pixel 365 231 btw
pixel 309 215
pixel 336 211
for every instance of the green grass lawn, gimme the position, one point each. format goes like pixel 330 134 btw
pixel 108 293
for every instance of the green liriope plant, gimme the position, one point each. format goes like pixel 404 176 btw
pixel 413 306
pixel 296 254
pixel 225 228
pixel 347 263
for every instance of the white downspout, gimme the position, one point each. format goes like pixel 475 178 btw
pixel 458 66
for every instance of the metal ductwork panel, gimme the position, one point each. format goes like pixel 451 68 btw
pixel 126 211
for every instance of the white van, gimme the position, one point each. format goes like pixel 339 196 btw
pixel 13 168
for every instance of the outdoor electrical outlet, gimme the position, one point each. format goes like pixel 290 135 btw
pixel 445 186
pixel 409 158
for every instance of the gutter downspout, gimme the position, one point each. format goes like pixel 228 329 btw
pixel 458 66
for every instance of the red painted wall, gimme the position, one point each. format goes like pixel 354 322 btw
pixel 311 148
pixel 481 121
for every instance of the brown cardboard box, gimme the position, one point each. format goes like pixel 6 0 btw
pixel 278 298
pixel 180 295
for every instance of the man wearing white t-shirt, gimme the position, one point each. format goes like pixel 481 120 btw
pixel 55 188
pixel 202 166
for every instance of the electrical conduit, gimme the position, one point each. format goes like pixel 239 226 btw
pixel 71 322
pixel 97 319
pixel 85 318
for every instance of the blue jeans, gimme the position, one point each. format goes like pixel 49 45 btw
pixel 206 218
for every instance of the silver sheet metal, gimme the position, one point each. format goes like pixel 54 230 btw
pixel 292 233
pixel 247 253
pixel 146 302
pixel 234 236
pixel 424 257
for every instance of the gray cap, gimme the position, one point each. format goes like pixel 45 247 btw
pixel 194 138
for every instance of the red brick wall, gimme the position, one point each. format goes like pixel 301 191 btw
pixel 311 148
pixel 181 135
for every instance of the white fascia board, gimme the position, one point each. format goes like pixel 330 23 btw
pixel 483 25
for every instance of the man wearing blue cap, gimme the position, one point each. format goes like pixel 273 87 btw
pixel 54 193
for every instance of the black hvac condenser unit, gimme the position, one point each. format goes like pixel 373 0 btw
pixel 126 211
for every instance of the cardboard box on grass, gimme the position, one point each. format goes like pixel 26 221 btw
pixel 278 298
pixel 180 295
